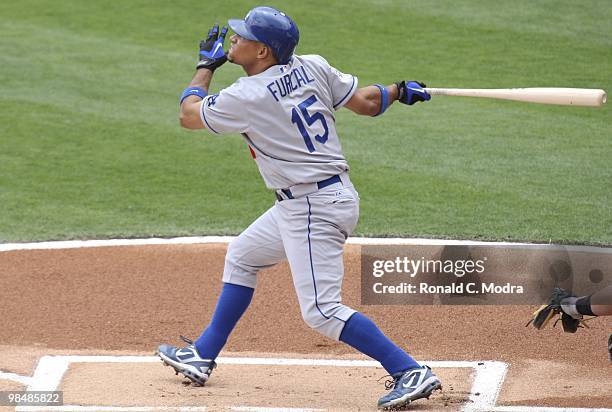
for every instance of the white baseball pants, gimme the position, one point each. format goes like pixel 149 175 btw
pixel 309 232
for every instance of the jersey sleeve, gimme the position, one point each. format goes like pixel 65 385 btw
pixel 342 85
pixel 224 112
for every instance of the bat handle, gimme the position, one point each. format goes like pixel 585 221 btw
pixel 433 91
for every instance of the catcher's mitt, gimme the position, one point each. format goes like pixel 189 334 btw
pixel 545 313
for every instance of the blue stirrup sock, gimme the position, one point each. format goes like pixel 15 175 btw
pixel 362 334
pixel 233 302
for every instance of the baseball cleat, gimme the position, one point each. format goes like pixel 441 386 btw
pixel 187 362
pixel 409 386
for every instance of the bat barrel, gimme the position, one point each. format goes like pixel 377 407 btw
pixel 543 95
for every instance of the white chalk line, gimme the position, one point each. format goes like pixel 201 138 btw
pixel 487 384
pixel 13 377
pixel 363 241
pixel 51 369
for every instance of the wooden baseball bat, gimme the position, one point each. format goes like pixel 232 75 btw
pixel 544 95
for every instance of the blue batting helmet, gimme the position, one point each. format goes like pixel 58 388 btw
pixel 271 27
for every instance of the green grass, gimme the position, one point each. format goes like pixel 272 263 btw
pixel 90 145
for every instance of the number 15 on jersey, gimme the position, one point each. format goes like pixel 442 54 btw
pixel 310 120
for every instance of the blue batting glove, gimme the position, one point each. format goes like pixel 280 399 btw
pixel 412 92
pixel 211 50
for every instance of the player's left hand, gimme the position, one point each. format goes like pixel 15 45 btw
pixel 211 50
pixel 412 92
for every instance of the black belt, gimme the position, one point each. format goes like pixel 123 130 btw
pixel 320 185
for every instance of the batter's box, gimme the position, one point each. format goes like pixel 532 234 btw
pixel 141 383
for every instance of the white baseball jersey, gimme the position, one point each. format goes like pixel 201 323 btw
pixel 286 116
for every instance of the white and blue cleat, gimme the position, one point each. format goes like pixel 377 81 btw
pixel 187 362
pixel 409 386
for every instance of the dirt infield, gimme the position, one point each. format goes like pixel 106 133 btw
pixel 127 300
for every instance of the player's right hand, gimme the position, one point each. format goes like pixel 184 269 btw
pixel 211 50
pixel 412 92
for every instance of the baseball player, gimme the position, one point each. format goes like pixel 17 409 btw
pixel 284 110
